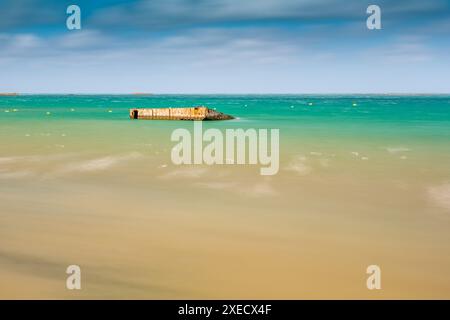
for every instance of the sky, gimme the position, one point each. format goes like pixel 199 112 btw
pixel 225 46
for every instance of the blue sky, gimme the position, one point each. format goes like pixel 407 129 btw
pixel 225 46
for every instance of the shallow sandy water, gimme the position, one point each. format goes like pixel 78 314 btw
pixel 105 196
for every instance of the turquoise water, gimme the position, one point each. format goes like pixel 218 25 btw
pixel 368 122
pixel 308 123
pixel 423 120
pixel 339 107
pixel 284 110
pixel 418 117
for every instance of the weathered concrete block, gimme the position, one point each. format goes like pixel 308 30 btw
pixel 190 113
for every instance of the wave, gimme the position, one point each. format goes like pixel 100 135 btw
pixel 103 163
pixel 185 173
pixel 15 174
pixel 100 163
pixel 256 190
pixel 298 165
pixel 394 150
pixel 34 158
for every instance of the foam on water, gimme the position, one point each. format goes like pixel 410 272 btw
pixel 440 195
pixel 15 174
pixel 101 163
pixel 252 190
pixel 187 172
pixel 298 165
pixel 394 150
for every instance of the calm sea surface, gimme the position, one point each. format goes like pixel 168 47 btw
pixel 362 180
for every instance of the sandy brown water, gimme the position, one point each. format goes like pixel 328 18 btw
pixel 141 230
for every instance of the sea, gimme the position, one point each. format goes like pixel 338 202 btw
pixel 363 180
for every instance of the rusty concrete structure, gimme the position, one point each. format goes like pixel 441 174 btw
pixel 199 113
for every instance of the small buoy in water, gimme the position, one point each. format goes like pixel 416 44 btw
pixel 310 104
pixel 48 113
pixel 110 111
pixel 292 107
pixel 354 104
pixel 72 110
pixel 15 110
pixel 6 111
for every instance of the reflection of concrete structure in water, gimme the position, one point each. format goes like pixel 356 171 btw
pixel 8 94
pixel 189 113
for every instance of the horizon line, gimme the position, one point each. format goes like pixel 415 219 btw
pixel 222 93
